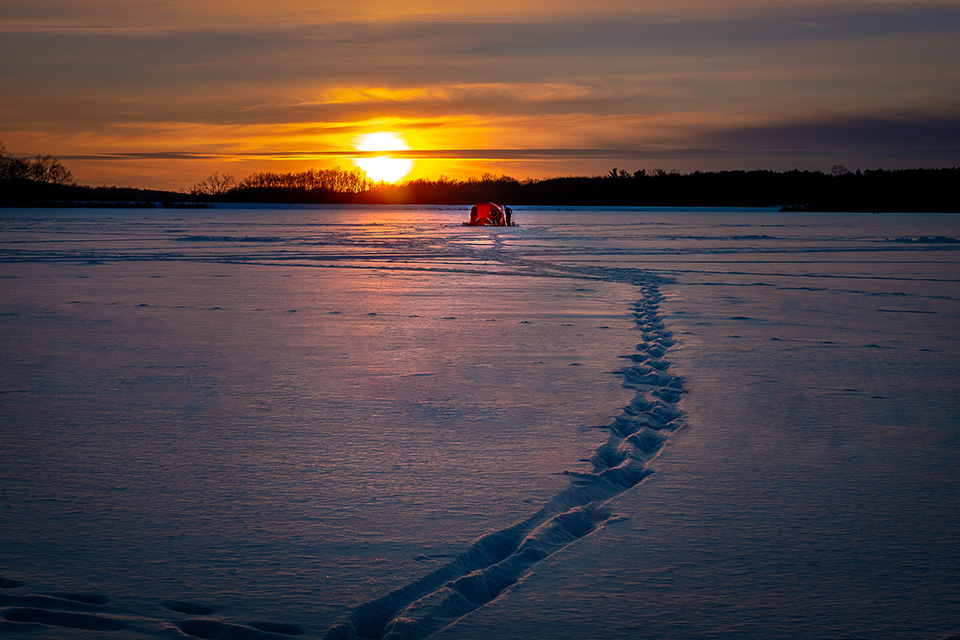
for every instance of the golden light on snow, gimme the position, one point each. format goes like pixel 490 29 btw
pixel 383 168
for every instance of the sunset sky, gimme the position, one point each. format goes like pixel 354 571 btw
pixel 162 93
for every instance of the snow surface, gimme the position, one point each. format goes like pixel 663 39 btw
pixel 347 422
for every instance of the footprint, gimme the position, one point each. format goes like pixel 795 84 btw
pixel 498 560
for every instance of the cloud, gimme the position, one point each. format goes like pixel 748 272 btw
pixel 901 132
pixel 166 14
pixel 484 50
pixel 917 132
pixel 520 82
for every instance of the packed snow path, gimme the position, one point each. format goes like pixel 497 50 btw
pixel 498 560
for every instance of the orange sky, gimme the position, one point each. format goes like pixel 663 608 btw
pixel 161 94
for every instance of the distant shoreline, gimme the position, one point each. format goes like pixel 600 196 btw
pixel 873 191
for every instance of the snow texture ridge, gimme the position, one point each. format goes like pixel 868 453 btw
pixel 498 560
pixel 69 613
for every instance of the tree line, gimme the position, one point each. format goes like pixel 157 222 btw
pixel 322 185
pixel 932 190
pixel 42 169
pixel 45 181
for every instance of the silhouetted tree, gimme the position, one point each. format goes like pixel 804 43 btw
pixel 44 180
pixel 44 169
pixel 214 185
pixel 50 170
pixel 334 180
pixel 12 168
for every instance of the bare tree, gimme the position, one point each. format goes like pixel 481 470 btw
pixel 839 170
pixel 47 169
pixel 12 168
pixel 214 185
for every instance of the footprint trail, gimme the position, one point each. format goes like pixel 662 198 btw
pixel 498 560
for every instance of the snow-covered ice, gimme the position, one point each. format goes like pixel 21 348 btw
pixel 347 422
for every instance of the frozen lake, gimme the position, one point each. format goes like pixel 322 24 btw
pixel 371 423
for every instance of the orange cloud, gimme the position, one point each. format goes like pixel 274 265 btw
pixel 539 88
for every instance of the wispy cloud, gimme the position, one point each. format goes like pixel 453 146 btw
pixel 719 83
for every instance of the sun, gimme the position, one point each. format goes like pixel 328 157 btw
pixel 383 168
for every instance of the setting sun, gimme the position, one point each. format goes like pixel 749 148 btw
pixel 383 168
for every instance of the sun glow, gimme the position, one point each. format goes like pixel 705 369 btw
pixel 383 168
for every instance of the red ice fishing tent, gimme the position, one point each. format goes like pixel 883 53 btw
pixel 490 215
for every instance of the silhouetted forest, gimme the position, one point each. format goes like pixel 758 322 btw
pixel 45 182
